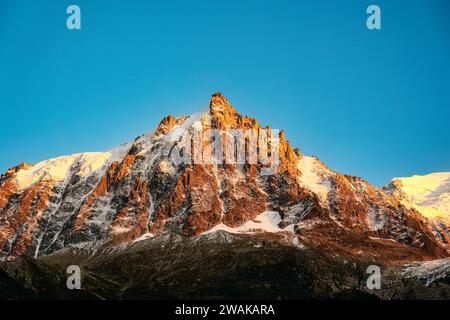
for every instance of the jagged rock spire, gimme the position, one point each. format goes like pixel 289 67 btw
pixel 222 112
pixel 220 104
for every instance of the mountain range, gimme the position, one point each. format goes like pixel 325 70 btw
pixel 163 203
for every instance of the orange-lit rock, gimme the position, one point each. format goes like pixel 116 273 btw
pixel 143 192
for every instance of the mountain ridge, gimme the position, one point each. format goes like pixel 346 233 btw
pixel 136 191
pixel 429 194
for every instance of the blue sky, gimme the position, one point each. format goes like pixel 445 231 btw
pixel 370 103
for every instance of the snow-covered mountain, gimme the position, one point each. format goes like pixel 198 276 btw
pixel 429 194
pixel 142 189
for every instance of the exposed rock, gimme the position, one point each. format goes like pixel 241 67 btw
pixel 167 124
pixel 138 191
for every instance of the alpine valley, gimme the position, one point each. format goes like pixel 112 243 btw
pixel 143 227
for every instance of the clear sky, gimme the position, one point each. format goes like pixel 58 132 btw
pixel 370 103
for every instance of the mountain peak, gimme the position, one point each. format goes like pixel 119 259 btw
pixel 148 188
pixel 220 105
pixel 222 112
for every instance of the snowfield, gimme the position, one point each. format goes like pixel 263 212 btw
pixel 429 271
pixel 57 169
pixel 267 221
pixel 429 194
pixel 315 177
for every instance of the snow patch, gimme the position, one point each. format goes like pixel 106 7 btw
pixel 296 243
pixel 119 229
pixel 309 224
pixel 166 167
pixel 429 194
pixel 57 169
pixel 145 236
pixel 429 271
pixel 267 221
pixel 193 120
pixel 375 221
pixel 314 176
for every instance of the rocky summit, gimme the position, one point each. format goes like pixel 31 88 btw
pixel 214 205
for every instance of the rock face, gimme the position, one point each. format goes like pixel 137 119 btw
pixel 169 182
pixel 428 194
